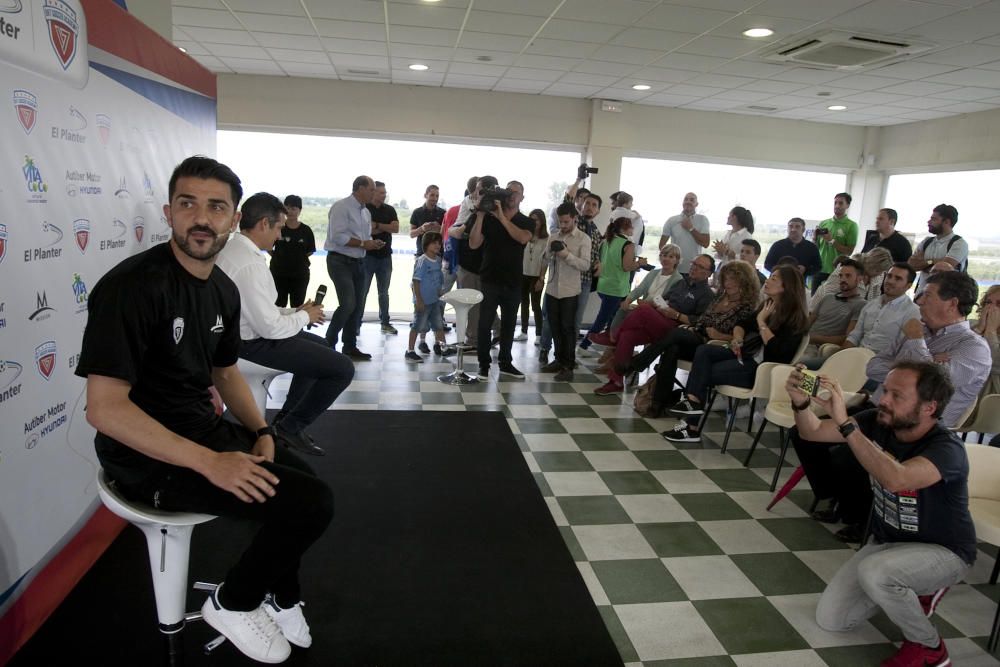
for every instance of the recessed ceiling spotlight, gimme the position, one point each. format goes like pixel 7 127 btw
pixel 758 32
pixel 641 86
pixel 417 67
pixel 837 107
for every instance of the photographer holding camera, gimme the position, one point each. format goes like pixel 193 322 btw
pixel 502 232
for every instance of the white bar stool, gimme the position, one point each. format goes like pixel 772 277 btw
pixel 259 378
pixel 168 540
pixel 462 300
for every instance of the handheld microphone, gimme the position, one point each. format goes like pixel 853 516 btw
pixel 320 293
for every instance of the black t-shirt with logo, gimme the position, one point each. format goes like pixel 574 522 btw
pixel 162 330
pixel 422 215
pixel 290 255
pixel 383 214
pixel 937 514
pixel 503 257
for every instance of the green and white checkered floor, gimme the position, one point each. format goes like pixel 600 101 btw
pixel 673 541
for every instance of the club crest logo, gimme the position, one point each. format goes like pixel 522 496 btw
pixel 64 28
pixel 3 242
pixel 26 106
pixel 103 128
pixel 45 358
pixel 81 229
pixel 178 330
pixel 138 227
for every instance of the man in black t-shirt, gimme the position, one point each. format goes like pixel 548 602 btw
pixel 502 235
pixel 922 536
pixel 427 218
pixel 163 328
pixel 290 256
pixel 378 263
pixel 885 236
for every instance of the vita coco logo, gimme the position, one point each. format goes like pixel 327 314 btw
pixel 80 295
pixel 42 425
pixel 34 182
pixel 49 250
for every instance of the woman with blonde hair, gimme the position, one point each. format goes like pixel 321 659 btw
pixel 875 262
pixel 988 326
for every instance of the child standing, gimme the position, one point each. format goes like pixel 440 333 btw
pixel 427 281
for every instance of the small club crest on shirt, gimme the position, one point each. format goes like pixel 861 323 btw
pixel 218 328
pixel 178 329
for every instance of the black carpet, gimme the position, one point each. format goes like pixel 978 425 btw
pixel 442 552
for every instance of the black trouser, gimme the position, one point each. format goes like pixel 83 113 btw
pixel 291 288
pixel 290 521
pixel 507 297
pixel 678 344
pixel 561 316
pixel 528 294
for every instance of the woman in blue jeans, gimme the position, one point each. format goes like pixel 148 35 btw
pixel 618 261
pixel 778 325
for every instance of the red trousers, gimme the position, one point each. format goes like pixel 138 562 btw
pixel 643 325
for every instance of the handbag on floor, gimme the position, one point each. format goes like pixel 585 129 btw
pixel 644 396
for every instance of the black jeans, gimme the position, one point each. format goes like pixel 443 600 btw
pixel 291 289
pixel 561 316
pixel 508 298
pixel 528 294
pixel 348 276
pixel 290 521
pixel 678 344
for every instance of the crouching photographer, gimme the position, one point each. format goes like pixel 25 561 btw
pixel 502 232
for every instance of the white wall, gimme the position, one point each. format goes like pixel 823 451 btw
pixel 968 141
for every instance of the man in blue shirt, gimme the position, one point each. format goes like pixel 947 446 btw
pixel 348 238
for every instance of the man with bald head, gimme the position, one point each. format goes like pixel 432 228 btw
pixel 689 231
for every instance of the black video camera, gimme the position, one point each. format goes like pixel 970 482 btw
pixel 557 246
pixel 583 171
pixel 489 196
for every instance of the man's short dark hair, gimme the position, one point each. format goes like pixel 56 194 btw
pixel 711 261
pixel 788 260
pixel 199 166
pixel 510 183
pixel 361 182
pixel 293 201
pixel 956 285
pixel 594 195
pixel 845 196
pixel 753 244
pixel 488 182
pixel 261 205
pixel 911 275
pixel 798 220
pixel 379 184
pixel 582 193
pixel 427 189
pixel 891 214
pixel 566 208
pixel 854 264
pixel 947 211
pixel 933 383
pixel 470 184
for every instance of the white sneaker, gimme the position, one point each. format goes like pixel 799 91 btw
pixel 252 632
pixel 292 622
pixel 520 338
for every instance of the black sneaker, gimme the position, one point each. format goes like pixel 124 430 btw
pixel 300 441
pixel 852 532
pixel 508 369
pixel 543 357
pixel 423 347
pixel 357 355
pixel 389 329
pixel 413 356
pixel 484 372
pixel 564 375
pixel 552 367
pixel 686 407
pixel 681 433
pixel 444 351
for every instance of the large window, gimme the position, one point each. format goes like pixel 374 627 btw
pixel 772 195
pixel 914 197
pixel 320 169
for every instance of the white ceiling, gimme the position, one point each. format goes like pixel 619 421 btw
pixel 691 52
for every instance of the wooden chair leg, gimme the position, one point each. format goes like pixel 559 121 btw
pixel 753 445
pixel 729 425
pixel 781 459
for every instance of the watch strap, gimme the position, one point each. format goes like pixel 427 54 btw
pixel 847 428
pixel 267 430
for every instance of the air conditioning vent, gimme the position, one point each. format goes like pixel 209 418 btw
pixel 758 107
pixel 364 72
pixel 843 50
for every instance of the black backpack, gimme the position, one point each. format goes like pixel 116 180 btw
pixel 927 241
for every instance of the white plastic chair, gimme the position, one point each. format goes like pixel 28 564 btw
pixel 987 418
pixel 984 505
pixel 462 300
pixel 259 378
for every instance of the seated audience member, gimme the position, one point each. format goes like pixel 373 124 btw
pixel 740 222
pixel 655 318
pixel 833 286
pixel 875 264
pixel 532 280
pixel 735 302
pixel 618 261
pixel 988 326
pixel 750 253
pixel 159 438
pixel 656 283
pixel 922 536
pixel 835 315
pixel 943 246
pixel 273 336
pixel 944 337
pixel 882 319
pixel 568 257
pixel 885 236
pixel 795 245
pixel 778 324
pixel 426 286
pixel 788 260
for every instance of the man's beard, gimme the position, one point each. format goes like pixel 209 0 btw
pixel 190 250
pixel 896 423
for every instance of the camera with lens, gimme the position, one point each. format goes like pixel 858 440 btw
pixel 583 171
pixel 489 196
pixel 557 246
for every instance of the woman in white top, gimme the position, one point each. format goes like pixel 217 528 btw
pixel 621 205
pixel 741 221
pixel 531 284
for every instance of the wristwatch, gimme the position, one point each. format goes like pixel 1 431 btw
pixel 267 430
pixel 847 428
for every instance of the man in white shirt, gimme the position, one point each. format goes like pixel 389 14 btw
pixel 881 320
pixel 273 336
pixel 689 231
